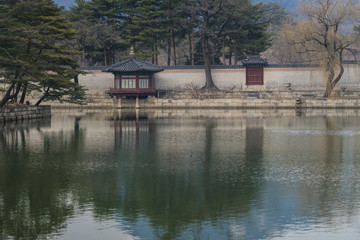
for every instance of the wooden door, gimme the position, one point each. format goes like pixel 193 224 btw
pixel 254 76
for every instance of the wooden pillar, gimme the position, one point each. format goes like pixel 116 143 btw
pixel 137 103
pixel 118 103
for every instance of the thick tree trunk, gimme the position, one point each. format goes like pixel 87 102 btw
pixel 105 57
pixel 23 95
pixel 206 56
pixel 169 51
pixel 331 82
pixel 8 96
pixel 40 100
pixel 46 94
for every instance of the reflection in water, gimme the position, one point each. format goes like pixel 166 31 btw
pixel 139 175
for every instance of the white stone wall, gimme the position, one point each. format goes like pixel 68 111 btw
pixel 297 77
pixel 229 78
pixel 274 78
pixel 97 80
pixel 309 78
pixel 351 77
pixel 176 79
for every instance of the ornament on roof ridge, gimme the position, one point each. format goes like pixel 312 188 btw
pixel 132 51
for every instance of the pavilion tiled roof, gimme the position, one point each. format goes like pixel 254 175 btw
pixel 254 61
pixel 133 65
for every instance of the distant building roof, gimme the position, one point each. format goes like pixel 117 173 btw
pixel 133 65
pixel 255 61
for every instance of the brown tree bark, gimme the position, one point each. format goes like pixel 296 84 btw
pixel 223 52
pixel 8 96
pixel 23 95
pixel 105 57
pixel 169 51
pixel 173 44
pixel 193 48
pixel 209 84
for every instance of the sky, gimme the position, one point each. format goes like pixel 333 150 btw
pixel 65 3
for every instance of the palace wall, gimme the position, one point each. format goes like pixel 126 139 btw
pixel 97 80
pixel 231 77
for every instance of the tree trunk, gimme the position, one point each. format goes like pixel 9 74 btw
pixel 152 56
pixel 223 52
pixel 331 82
pixel 190 49
pixel 46 94
pixel 105 57
pixel 40 100
pixel 7 96
pixel 156 55
pixel 206 56
pixel 76 78
pixel 23 95
pixel 193 48
pixel 169 51
pixel 169 38
pixel 173 45
pixel 230 57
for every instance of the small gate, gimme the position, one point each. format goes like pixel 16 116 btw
pixel 254 76
pixel 255 70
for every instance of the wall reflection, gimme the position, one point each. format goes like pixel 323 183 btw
pixel 195 175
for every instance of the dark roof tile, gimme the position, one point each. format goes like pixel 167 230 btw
pixel 254 61
pixel 133 65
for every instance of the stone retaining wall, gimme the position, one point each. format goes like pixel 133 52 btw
pixel 8 114
pixel 246 103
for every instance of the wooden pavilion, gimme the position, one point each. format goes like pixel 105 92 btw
pixel 133 78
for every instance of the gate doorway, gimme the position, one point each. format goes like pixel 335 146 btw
pixel 255 76
pixel 254 70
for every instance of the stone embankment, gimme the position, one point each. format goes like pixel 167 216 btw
pixel 18 113
pixel 167 103
pixel 99 99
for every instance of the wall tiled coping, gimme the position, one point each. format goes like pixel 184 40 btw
pixel 8 114
pixel 239 66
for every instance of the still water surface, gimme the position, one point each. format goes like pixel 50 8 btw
pixel 181 175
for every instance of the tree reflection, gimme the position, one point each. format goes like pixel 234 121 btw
pixel 180 180
pixel 35 180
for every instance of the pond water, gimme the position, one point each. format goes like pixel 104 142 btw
pixel 200 174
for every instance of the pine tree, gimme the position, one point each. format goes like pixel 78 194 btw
pixel 33 52
pixel 246 32
pixel 148 28
pixel 102 28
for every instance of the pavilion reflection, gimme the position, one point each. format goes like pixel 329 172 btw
pixel 132 129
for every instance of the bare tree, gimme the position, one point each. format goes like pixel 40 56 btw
pixel 323 35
